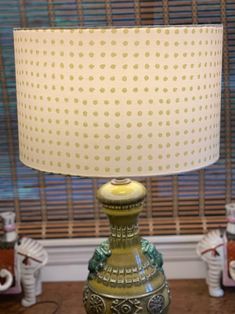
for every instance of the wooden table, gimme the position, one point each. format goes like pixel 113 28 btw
pixel 188 296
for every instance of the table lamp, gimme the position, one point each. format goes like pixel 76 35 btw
pixel 120 102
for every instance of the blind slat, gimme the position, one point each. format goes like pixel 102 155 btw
pixel 52 206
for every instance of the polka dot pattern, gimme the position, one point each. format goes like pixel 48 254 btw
pixel 116 102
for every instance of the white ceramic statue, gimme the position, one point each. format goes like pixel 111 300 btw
pixel 24 259
pixel 217 249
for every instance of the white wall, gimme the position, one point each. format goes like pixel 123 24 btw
pixel 68 259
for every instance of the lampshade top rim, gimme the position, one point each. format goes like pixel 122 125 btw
pixel 119 27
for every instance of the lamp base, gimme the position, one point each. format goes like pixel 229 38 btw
pixel 125 272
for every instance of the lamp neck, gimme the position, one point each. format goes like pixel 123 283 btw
pixel 124 235
pixel 122 201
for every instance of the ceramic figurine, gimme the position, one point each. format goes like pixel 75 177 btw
pixel 217 249
pixel 20 262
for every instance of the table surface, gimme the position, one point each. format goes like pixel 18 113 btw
pixel 188 296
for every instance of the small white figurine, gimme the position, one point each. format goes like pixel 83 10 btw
pixel 217 249
pixel 24 259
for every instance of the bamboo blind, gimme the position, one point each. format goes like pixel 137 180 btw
pixel 53 206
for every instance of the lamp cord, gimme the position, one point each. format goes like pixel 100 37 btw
pixel 57 306
pixel 25 310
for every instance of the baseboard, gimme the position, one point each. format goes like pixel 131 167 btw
pixel 68 258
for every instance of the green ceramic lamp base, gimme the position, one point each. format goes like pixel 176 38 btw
pixel 125 272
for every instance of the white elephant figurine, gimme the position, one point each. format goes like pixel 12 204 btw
pixel 217 249
pixel 211 250
pixel 29 258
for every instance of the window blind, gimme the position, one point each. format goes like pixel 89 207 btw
pixel 53 206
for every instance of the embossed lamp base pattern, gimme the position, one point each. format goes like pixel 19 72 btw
pixel 154 303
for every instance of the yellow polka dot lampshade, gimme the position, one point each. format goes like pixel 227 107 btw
pixel 119 102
